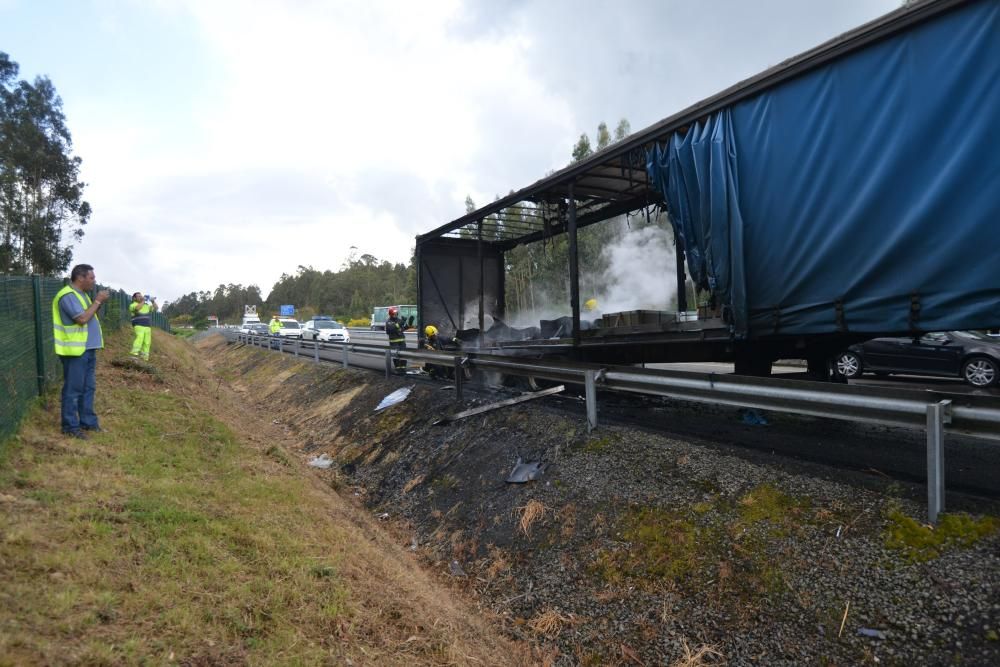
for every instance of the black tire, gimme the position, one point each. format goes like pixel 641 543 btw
pixel 848 364
pixel 980 372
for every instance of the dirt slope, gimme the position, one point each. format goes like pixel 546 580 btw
pixel 635 548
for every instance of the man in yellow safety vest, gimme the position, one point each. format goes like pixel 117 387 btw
pixel 142 321
pixel 77 333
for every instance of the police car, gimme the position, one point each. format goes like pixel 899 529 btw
pixel 326 329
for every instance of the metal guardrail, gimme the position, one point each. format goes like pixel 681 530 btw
pixel 937 412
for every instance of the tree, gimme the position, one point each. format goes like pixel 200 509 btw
pixel 41 196
pixel 603 136
pixel 582 148
pixel 622 130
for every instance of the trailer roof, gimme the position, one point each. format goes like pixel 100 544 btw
pixel 613 181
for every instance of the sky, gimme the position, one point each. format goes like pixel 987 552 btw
pixel 232 141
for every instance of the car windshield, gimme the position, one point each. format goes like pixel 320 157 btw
pixel 972 335
pixel 325 324
pixel 289 325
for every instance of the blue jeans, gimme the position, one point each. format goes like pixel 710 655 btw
pixel 79 385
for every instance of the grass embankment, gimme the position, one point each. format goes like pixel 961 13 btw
pixel 183 533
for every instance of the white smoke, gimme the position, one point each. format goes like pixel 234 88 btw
pixel 641 272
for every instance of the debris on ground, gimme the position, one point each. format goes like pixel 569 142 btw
pixel 500 404
pixel 456 569
pixel 322 461
pixel 525 471
pixel 870 632
pixel 752 417
pixel 395 397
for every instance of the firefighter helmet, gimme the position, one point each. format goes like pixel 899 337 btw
pixel 430 330
pixel 393 311
pixel 590 305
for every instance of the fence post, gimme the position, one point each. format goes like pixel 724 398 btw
pixel 36 284
pixel 590 393
pixel 345 355
pixel 938 414
pixel 316 350
pixel 298 343
pixel 388 364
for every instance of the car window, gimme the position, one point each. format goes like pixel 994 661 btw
pixel 323 324
pixel 289 325
pixel 972 335
pixel 935 337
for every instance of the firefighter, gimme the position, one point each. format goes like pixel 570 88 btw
pixel 274 326
pixel 394 329
pixel 434 342
pixel 142 321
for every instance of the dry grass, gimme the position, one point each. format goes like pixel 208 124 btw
pixel 703 656
pixel 414 483
pixel 529 514
pixel 185 534
pixel 550 623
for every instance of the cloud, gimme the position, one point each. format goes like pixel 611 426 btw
pixel 289 131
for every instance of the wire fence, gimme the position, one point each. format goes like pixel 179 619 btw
pixel 28 361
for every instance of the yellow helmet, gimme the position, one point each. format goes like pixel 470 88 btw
pixel 430 330
pixel 590 304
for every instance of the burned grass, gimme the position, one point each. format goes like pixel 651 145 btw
pixel 632 547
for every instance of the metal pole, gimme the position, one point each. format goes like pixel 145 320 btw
pixel 459 379
pixel 482 286
pixel 682 298
pixel 316 350
pixel 574 268
pixel 590 393
pixel 36 284
pixel 345 355
pixel 388 363
pixel 298 344
pixel 938 414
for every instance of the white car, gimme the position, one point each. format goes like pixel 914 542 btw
pixel 325 329
pixel 289 328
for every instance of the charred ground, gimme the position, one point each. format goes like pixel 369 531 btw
pixel 638 547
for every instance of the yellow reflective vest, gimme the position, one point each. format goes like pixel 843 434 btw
pixel 70 339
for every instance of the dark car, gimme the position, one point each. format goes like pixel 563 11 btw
pixel 258 329
pixel 972 356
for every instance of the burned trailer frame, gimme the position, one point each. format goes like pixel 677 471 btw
pixel 616 181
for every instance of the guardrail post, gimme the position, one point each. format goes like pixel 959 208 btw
pixel 459 379
pixel 298 344
pixel 316 350
pixel 388 364
pixel 345 355
pixel 590 393
pixel 938 414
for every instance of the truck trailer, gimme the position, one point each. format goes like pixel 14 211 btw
pixel 851 192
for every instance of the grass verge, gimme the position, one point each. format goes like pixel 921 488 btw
pixel 178 535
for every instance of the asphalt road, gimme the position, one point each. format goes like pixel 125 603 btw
pixel 950 385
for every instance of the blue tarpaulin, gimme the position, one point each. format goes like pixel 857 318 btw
pixel 863 195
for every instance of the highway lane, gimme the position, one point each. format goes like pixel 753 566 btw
pixel 950 385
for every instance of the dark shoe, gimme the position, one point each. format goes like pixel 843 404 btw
pixel 79 434
pixel 92 429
